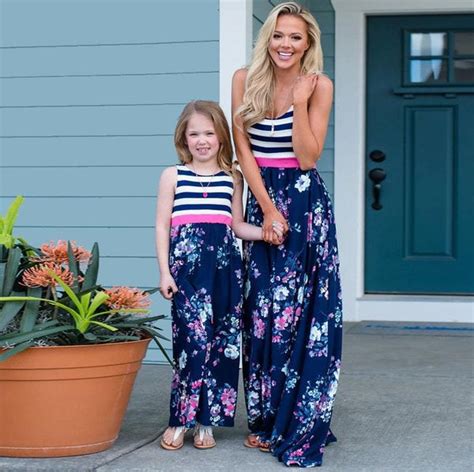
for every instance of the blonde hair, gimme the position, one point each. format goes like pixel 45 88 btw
pixel 214 112
pixel 260 82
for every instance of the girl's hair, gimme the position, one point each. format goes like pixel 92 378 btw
pixel 260 82
pixel 214 112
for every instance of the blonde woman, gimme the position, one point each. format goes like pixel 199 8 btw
pixel 292 308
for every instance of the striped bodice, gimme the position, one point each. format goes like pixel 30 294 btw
pixel 202 198
pixel 271 141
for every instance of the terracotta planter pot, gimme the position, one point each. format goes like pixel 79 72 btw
pixel 66 400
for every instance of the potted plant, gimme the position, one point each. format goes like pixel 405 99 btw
pixel 70 349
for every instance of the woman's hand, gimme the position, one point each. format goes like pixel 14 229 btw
pixel 274 225
pixel 168 286
pixel 304 87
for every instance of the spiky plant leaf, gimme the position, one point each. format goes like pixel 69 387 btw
pixel 31 310
pixel 90 277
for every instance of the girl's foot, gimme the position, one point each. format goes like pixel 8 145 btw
pixel 173 438
pixel 203 437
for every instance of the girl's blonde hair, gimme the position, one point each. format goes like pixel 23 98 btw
pixel 214 112
pixel 260 82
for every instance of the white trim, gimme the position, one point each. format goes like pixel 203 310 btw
pixel 349 164
pixel 235 43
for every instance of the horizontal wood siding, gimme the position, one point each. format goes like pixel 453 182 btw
pixel 90 96
pixel 323 11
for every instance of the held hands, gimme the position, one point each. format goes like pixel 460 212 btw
pixel 168 286
pixel 304 87
pixel 274 227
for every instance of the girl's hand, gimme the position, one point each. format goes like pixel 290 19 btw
pixel 168 286
pixel 274 225
pixel 304 88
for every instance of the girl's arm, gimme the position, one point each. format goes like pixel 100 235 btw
pixel 242 229
pixel 312 102
pixel 164 208
pixel 249 165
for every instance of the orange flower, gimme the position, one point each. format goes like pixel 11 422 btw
pixel 57 252
pixel 123 298
pixel 38 276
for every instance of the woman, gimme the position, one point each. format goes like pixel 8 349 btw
pixel 293 310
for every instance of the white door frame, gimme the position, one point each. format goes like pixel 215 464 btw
pixel 349 167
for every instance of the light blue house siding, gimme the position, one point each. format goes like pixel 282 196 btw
pixel 324 14
pixel 90 96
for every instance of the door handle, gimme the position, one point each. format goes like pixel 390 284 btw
pixel 377 175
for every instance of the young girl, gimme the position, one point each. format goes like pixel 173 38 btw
pixel 199 209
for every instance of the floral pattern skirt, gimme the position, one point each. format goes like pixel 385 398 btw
pixel 292 331
pixel 206 265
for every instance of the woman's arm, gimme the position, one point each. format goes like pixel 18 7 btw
pixel 249 165
pixel 164 208
pixel 312 102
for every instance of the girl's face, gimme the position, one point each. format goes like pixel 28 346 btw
pixel 201 138
pixel 288 42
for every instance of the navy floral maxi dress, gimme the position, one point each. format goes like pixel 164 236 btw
pixel 292 331
pixel 206 264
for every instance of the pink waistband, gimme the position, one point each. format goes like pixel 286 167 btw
pixel 281 162
pixel 185 219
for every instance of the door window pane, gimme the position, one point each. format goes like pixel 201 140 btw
pixel 428 44
pixel 464 43
pixel 429 71
pixel 464 70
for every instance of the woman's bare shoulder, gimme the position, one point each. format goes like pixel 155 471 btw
pixel 325 83
pixel 240 75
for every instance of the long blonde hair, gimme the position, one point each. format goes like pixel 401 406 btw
pixel 260 82
pixel 214 112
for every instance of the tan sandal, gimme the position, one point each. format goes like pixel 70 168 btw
pixel 179 432
pixel 199 432
pixel 251 441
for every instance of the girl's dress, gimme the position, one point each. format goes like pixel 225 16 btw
pixel 206 265
pixel 292 306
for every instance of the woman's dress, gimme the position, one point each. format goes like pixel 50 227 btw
pixel 292 306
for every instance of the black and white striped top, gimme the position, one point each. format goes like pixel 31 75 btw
pixel 202 198
pixel 271 141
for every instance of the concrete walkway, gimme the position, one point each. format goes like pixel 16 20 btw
pixel 405 403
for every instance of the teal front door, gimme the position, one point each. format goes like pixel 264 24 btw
pixel 419 211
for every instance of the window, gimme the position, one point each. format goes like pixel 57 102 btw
pixel 440 58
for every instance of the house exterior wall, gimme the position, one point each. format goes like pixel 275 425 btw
pixel 90 96
pixel 350 64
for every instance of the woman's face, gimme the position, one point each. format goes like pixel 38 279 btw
pixel 288 42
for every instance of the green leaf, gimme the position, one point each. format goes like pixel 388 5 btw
pixel 12 213
pixel 7 240
pixel 97 301
pixel 9 311
pixel 15 350
pixel 85 301
pixel 38 327
pixel 31 310
pixel 73 267
pixel 3 266
pixel 77 317
pixel 90 336
pixel 69 293
pixel 36 334
pixel 103 325
pixel 11 270
pixel 90 277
